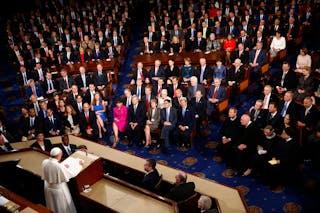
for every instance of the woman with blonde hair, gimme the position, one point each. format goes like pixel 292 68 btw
pixel 71 121
pixel 153 120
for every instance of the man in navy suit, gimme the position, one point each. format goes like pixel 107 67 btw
pixel 203 72
pixel 98 53
pixel 151 178
pixel 156 72
pixel 216 94
pixel 168 121
pixel 52 124
pixel 199 44
pixel 185 123
pixel 199 104
pixel 308 117
pixel 33 89
pixel 88 123
pixel 257 58
pixel 136 121
pixel 66 147
pixel 141 73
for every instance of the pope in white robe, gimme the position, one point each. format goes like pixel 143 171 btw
pixel 56 176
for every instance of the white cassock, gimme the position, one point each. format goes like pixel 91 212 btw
pixel 56 191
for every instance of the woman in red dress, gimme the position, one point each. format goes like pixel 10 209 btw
pixel 229 46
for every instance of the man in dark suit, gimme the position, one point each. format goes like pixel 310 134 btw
pixel 240 53
pixel 174 86
pixel 152 177
pixel 110 51
pixel 288 105
pixel 199 104
pixel 235 75
pixel 194 86
pixel 245 40
pixel 274 118
pixel 232 29
pixel 31 125
pixel 147 46
pixel 268 96
pixel 156 72
pixel 41 143
pixel 88 123
pixel 162 46
pixel 141 73
pixel 83 79
pixel 66 147
pixel 185 123
pixel 190 36
pixel 65 81
pixel 98 53
pixel 257 58
pixel 258 115
pixel 216 94
pixel 203 72
pixel 230 132
pixel 147 97
pixel 199 43
pixel 138 89
pixel 157 88
pixel 168 121
pixel 308 117
pixel 182 189
pixel 288 80
pixel 101 80
pixel 52 124
pixel 246 146
pixel 136 121
pixel 50 85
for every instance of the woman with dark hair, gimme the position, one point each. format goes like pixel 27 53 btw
pixel 153 120
pixel 171 70
pixel 120 114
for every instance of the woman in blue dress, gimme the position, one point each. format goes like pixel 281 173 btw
pixel 99 107
pixel 219 70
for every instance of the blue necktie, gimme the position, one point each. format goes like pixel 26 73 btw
pixel 284 109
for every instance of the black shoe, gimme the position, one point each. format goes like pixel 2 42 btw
pixel 130 144
pixel 140 145
pixel 164 150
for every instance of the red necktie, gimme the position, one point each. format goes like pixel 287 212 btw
pixel 147 104
pixel 141 75
pixel 215 92
pixel 174 91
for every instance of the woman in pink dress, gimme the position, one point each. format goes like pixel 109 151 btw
pixel 120 113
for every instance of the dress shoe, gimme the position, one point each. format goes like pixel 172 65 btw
pixel 130 144
pixel 140 145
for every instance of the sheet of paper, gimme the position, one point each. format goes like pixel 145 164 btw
pixel 3 201
pixel 272 162
pixel 73 165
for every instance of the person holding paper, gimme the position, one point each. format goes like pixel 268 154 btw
pixel 55 176
pixel 284 161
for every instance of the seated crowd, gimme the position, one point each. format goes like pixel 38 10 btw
pixel 171 104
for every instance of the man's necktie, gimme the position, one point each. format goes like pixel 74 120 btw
pixel 215 94
pixel 183 111
pixel 284 109
pixel 141 75
pixel 168 114
pixel 31 122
